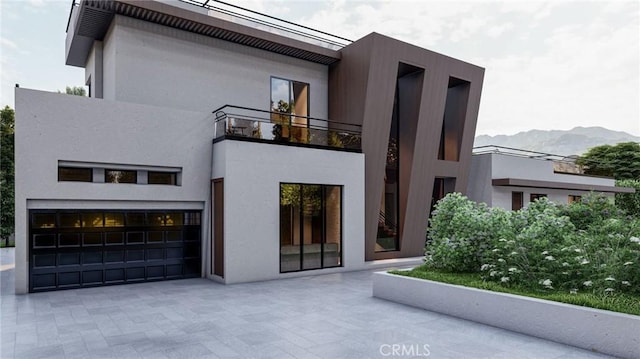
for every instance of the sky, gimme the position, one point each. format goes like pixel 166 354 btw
pixel 548 65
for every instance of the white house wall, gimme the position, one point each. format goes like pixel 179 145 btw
pixel 252 176
pixel 502 195
pixel 504 166
pixel 57 127
pixel 109 64
pixel 163 66
pixel 479 188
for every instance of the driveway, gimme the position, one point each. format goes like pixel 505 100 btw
pixel 324 316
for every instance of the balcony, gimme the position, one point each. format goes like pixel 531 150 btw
pixel 248 124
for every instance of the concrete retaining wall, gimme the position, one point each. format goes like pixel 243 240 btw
pixel 592 329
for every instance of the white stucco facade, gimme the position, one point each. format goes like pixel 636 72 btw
pixel 153 64
pixel 57 127
pixel 491 166
pixel 101 133
pixel 252 174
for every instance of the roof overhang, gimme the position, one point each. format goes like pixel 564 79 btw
pixel 516 182
pixel 91 19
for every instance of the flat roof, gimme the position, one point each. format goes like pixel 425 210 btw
pixel 517 182
pixel 89 20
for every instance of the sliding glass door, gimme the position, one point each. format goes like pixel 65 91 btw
pixel 310 226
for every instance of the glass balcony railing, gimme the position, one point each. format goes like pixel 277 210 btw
pixel 235 122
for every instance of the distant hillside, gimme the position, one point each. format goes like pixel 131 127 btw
pixel 573 142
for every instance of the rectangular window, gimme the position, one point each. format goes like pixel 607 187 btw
pixel 574 199
pixel 75 174
pixel 120 176
pixel 517 199
pixel 168 178
pixel 310 227
pixel 535 196
pixel 290 102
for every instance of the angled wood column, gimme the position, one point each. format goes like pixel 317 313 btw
pixel 362 88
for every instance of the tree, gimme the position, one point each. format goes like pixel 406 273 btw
pixel 620 161
pixel 78 91
pixel 7 178
pixel 629 202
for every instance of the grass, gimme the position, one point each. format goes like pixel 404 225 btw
pixel 622 303
pixel 3 243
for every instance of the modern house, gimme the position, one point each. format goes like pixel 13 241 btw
pixel 511 178
pixel 217 142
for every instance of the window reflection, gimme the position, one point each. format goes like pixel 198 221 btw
pixel 290 99
pixel 113 219
pixel 120 176
pixel 310 226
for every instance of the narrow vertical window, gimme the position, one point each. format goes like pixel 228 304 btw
pixel 290 107
pixel 453 122
pixel 517 199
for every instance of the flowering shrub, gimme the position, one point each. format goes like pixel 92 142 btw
pixel 456 234
pixel 583 247
pixel 591 211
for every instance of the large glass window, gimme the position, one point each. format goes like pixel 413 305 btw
pixel 290 102
pixel 310 226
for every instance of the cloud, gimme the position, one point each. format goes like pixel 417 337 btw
pixel 497 30
pixel 8 43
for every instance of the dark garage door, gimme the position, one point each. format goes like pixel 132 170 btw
pixel 73 249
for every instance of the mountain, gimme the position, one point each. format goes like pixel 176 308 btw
pixel 572 142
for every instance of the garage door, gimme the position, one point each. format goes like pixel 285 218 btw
pixel 73 249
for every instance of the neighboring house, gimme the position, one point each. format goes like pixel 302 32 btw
pixel 511 178
pixel 206 150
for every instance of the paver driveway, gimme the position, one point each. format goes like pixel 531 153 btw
pixel 326 316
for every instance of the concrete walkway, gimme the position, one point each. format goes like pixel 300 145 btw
pixel 327 316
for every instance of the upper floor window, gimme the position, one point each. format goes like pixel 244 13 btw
pixel 291 99
pixel 288 96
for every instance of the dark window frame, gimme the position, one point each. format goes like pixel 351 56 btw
pixel 106 175
pixel 290 99
pixel 534 196
pixel 172 182
pixel 88 171
pixel 574 198
pixel 324 228
pixel 520 197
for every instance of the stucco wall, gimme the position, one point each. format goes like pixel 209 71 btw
pixel 502 195
pixel 252 175
pixel 153 64
pixel 504 166
pixel 52 127
pixel 486 167
pixel 479 188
